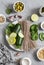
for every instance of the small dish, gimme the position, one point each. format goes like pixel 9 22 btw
pixel 2 19
pixel 34 17
pixel 41 11
pixel 42 25
pixel 25 61
pixel 18 6
pixel 40 54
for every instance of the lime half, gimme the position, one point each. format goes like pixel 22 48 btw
pixel 11 40
pixel 13 34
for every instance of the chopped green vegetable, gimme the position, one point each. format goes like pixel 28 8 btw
pixel 8 31
pixel 15 34
pixel 8 10
pixel 41 36
pixel 10 28
pixel 19 40
pixel 34 27
pixel 34 32
pixel 17 28
pixel 34 36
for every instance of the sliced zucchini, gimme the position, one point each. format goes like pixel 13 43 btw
pixel 41 36
pixel 20 34
pixel 17 28
pixel 19 40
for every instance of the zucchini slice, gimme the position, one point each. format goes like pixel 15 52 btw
pixel 19 40
pixel 17 28
pixel 20 34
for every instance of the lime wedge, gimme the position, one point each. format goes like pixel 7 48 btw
pixel 13 35
pixel 11 40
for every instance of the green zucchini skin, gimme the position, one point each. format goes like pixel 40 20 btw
pixel 19 41
pixel 17 28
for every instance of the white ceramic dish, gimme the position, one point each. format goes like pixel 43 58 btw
pixel 42 26
pixel 4 18
pixel 38 52
pixel 12 46
pixel 42 14
pixel 14 5
pixel 22 62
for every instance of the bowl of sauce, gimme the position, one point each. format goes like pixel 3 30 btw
pixel 40 54
pixel 2 19
pixel 42 25
pixel 25 61
pixel 41 11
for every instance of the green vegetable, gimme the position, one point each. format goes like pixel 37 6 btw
pixel 19 40
pixel 8 10
pixel 8 31
pixel 10 28
pixel 41 36
pixel 13 28
pixel 34 32
pixel 34 36
pixel 34 27
pixel 17 28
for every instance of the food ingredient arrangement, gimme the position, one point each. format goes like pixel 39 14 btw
pixel 15 35
pixel 22 36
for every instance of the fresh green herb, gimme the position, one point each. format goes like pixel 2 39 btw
pixel 8 10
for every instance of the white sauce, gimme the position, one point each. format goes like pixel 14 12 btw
pixel 25 62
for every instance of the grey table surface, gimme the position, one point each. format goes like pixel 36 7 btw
pixel 31 6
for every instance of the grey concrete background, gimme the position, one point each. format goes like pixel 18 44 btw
pixel 31 6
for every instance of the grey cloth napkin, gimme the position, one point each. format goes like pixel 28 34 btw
pixel 5 56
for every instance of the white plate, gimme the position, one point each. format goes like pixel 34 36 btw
pixel 13 47
pixel 4 18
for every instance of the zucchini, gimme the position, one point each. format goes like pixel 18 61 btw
pixel 19 40
pixel 41 36
pixel 17 28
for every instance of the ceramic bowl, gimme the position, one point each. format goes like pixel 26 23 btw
pixel 22 62
pixel 4 18
pixel 38 52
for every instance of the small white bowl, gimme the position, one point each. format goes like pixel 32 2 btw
pixel 38 52
pixel 4 18
pixel 14 5
pixel 23 59
pixel 42 26
pixel 42 14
